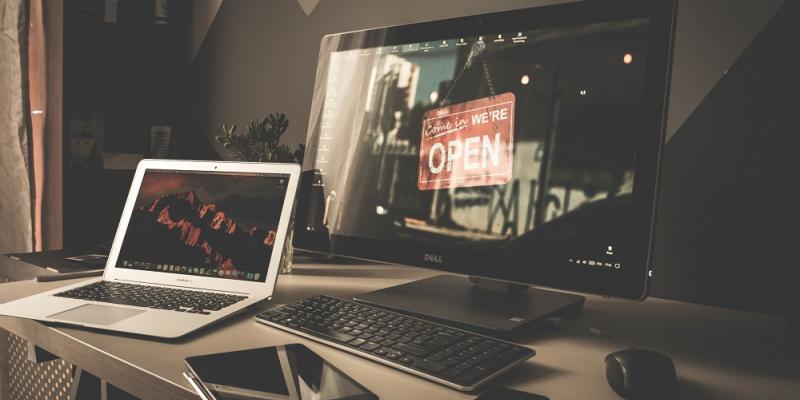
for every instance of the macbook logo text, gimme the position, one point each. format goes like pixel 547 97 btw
pixel 184 280
pixel 436 258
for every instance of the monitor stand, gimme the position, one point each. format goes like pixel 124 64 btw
pixel 485 305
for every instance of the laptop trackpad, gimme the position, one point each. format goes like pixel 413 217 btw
pixel 96 314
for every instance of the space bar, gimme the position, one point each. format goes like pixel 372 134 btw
pixel 323 331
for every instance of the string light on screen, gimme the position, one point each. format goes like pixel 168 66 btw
pixel 525 79
pixel 627 58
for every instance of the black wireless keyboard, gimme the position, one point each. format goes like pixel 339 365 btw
pixel 191 301
pixel 450 356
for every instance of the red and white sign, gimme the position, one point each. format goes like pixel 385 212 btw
pixel 468 144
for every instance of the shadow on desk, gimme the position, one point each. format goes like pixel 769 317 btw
pixel 529 372
pixel 340 271
pixel 693 390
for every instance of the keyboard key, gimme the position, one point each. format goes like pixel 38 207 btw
pixel 369 346
pixel 415 350
pixel 357 342
pixel 321 330
pixel 381 351
pixel 430 365
pixel 452 372
pixel 470 375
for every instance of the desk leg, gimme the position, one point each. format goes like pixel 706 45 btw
pixel 38 355
pixel 86 386
pixel 5 361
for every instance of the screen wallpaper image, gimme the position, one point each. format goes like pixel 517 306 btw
pixel 207 224
pixel 512 142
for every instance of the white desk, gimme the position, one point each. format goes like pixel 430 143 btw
pixel 719 354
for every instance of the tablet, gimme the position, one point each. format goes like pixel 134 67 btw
pixel 289 371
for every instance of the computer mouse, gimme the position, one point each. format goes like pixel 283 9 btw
pixel 642 374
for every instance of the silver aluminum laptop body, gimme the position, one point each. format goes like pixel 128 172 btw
pixel 228 181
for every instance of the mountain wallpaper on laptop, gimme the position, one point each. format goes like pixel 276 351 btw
pixel 206 232
pixel 236 232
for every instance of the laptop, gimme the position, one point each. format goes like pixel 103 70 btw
pixel 198 241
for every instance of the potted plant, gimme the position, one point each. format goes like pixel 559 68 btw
pixel 261 141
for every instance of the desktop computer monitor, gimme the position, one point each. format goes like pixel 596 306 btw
pixel 520 146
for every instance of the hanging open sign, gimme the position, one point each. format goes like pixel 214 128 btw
pixel 468 144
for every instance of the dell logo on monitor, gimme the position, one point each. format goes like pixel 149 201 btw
pixel 436 258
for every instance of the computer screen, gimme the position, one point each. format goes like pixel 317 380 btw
pixel 520 146
pixel 214 224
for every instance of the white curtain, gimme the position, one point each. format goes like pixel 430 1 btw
pixel 15 190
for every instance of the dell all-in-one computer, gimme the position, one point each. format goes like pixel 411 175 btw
pixel 520 146
pixel 517 148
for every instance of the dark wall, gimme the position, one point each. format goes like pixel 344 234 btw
pixel 261 56
pixel 727 231
pixel 726 204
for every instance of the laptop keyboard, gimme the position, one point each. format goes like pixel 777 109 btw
pixel 181 300
pixel 447 355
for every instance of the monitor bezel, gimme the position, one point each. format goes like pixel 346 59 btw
pixel 628 283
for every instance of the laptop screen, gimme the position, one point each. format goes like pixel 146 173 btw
pixel 212 224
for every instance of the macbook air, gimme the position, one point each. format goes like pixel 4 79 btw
pixel 198 241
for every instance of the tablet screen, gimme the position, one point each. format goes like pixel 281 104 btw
pixel 282 372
